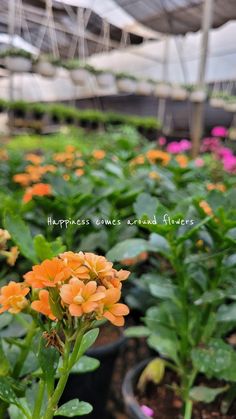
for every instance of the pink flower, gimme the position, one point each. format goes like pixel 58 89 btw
pixel 229 163
pixel 177 147
pixel 147 411
pixel 219 131
pixel 162 141
pixel 210 144
pixel 199 162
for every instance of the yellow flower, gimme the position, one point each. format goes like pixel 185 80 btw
pixel 155 156
pixel 154 175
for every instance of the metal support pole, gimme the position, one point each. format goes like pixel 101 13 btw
pixel 11 31
pixel 165 76
pixel 198 108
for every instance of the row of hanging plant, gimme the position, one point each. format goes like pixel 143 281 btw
pixel 83 75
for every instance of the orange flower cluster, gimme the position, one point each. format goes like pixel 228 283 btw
pixel 155 156
pixel 10 254
pixel 216 186
pixel 75 284
pixel 99 154
pixel 206 208
pixel 182 160
pixel 39 189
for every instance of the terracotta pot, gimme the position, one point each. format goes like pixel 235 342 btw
pixel 18 64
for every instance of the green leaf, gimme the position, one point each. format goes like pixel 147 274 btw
pixel 137 332
pixel 88 340
pixel 85 364
pixel 74 408
pixel 206 394
pixel 210 297
pixel 163 346
pixel 154 372
pixel 48 360
pixel 127 249
pixel 6 392
pixel 227 313
pixel 158 243
pixel 4 364
pixel 145 205
pixel 21 235
pixel 163 288
pixel 45 249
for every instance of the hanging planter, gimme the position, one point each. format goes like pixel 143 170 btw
pixel 46 67
pixel 217 102
pixel 179 93
pixel 79 73
pixel 163 90
pixel 144 87
pixel 17 60
pixel 198 96
pixel 126 83
pixel 230 106
pixel 105 79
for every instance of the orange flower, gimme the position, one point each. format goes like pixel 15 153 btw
pixel 111 310
pixel 75 263
pixel 63 157
pixel 4 237
pixel 70 148
pixel 12 297
pixel 99 154
pixel 34 158
pixel 42 305
pixel 66 176
pixel 3 155
pixel 154 175
pixel 182 160
pixel 39 189
pixel 131 261
pixel 206 207
pixel 98 266
pixel 50 273
pixel 79 163
pixel 155 156
pixel 138 160
pixel 80 297
pixel 217 186
pixel 79 172
pixel 12 255
pixel 23 179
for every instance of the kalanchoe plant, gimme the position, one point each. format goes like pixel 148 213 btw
pixel 63 298
pixel 192 298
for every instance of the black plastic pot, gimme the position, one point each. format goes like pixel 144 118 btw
pixel 129 383
pixel 94 387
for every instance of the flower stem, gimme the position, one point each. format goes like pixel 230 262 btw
pixel 24 353
pixel 188 409
pixel 39 400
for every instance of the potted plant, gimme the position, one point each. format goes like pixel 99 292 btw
pixel 63 298
pixel 192 314
pixel 17 60
pixel 230 104
pixel 126 83
pixel 144 87
pixel 105 79
pixel 217 99
pixel 163 90
pixel 79 72
pixel 197 95
pixel 3 105
pixel 47 66
pixel 19 109
pixel 179 93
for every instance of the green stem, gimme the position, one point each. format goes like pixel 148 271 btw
pixel 24 353
pixel 39 400
pixel 188 409
pixel 54 399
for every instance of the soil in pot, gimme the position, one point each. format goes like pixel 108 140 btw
pixel 94 387
pixel 167 405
